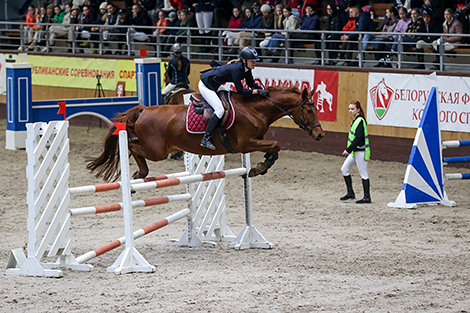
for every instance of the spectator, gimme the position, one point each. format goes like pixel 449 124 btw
pixel 253 21
pixel 362 22
pixel 235 22
pixel 333 22
pixel 402 24
pixel 75 18
pixel 204 15
pixel 383 42
pixel 119 34
pixel 88 18
pixel 59 30
pixel 312 3
pixel 450 26
pixel 430 27
pixel 59 14
pixel 278 18
pixel 187 20
pixel 413 27
pixel 170 34
pixel 31 20
pixel 401 27
pixel 100 17
pixel 162 22
pixel 112 19
pixel 310 22
pixel 245 24
pixel 44 17
pixel 291 22
pixel 141 23
pixel 268 22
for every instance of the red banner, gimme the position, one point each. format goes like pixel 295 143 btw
pixel 326 94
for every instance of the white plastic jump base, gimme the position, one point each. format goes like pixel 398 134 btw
pixel 401 203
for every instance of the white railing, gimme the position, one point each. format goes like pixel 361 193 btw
pixel 322 48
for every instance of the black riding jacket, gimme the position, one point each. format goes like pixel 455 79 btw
pixel 230 73
pixel 178 76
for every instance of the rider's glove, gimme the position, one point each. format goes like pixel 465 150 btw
pixel 263 92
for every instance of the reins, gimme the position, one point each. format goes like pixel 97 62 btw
pixel 303 124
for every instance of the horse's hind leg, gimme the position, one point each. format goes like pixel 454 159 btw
pixel 142 164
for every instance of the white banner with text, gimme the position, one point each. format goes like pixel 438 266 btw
pixel 399 100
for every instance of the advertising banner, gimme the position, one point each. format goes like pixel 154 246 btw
pixel 399 99
pixel 325 82
pixel 73 72
pixel 126 73
pixel 326 94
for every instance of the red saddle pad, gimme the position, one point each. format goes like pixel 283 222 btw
pixel 195 123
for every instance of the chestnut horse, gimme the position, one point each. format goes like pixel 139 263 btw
pixel 156 131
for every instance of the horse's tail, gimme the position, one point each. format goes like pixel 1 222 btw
pixel 107 164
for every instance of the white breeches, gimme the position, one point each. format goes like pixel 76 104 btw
pixel 168 89
pixel 204 20
pixel 360 162
pixel 212 98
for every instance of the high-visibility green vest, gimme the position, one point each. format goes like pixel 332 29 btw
pixel 352 136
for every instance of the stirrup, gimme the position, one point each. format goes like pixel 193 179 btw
pixel 206 143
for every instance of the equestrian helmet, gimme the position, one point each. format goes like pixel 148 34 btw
pixel 249 53
pixel 177 47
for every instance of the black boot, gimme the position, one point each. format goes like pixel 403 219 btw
pixel 366 186
pixel 350 194
pixel 211 125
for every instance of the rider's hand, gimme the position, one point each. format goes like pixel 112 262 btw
pixel 263 92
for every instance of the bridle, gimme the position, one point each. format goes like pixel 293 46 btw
pixel 303 124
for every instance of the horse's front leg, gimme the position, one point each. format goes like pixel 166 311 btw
pixel 271 148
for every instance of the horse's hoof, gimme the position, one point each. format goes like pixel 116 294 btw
pixel 253 173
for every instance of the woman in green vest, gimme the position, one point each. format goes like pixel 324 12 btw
pixel 357 151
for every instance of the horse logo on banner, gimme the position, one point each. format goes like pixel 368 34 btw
pixel 323 96
pixel 381 96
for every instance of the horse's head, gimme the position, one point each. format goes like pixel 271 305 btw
pixel 307 118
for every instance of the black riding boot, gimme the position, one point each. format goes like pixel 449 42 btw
pixel 211 125
pixel 350 194
pixel 366 186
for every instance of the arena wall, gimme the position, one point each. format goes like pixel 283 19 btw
pixel 388 143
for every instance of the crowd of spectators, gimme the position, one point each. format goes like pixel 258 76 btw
pixel 248 22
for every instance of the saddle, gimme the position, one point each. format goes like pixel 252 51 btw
pixel 179 87
pixel 199 112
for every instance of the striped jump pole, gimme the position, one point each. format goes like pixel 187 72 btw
pixel 455 144
pixel 135 204
pixel 82 190
pixel 454 176
pixel 137 234
pixel 454 160
pixel 189 179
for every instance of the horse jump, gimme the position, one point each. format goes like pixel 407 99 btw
pixel 48 233
pixel 424 176
pixel 455 160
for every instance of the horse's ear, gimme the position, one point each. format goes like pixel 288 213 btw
pixel 304 95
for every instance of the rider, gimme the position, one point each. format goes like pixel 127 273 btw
pixel 178 70
pixel 233 72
